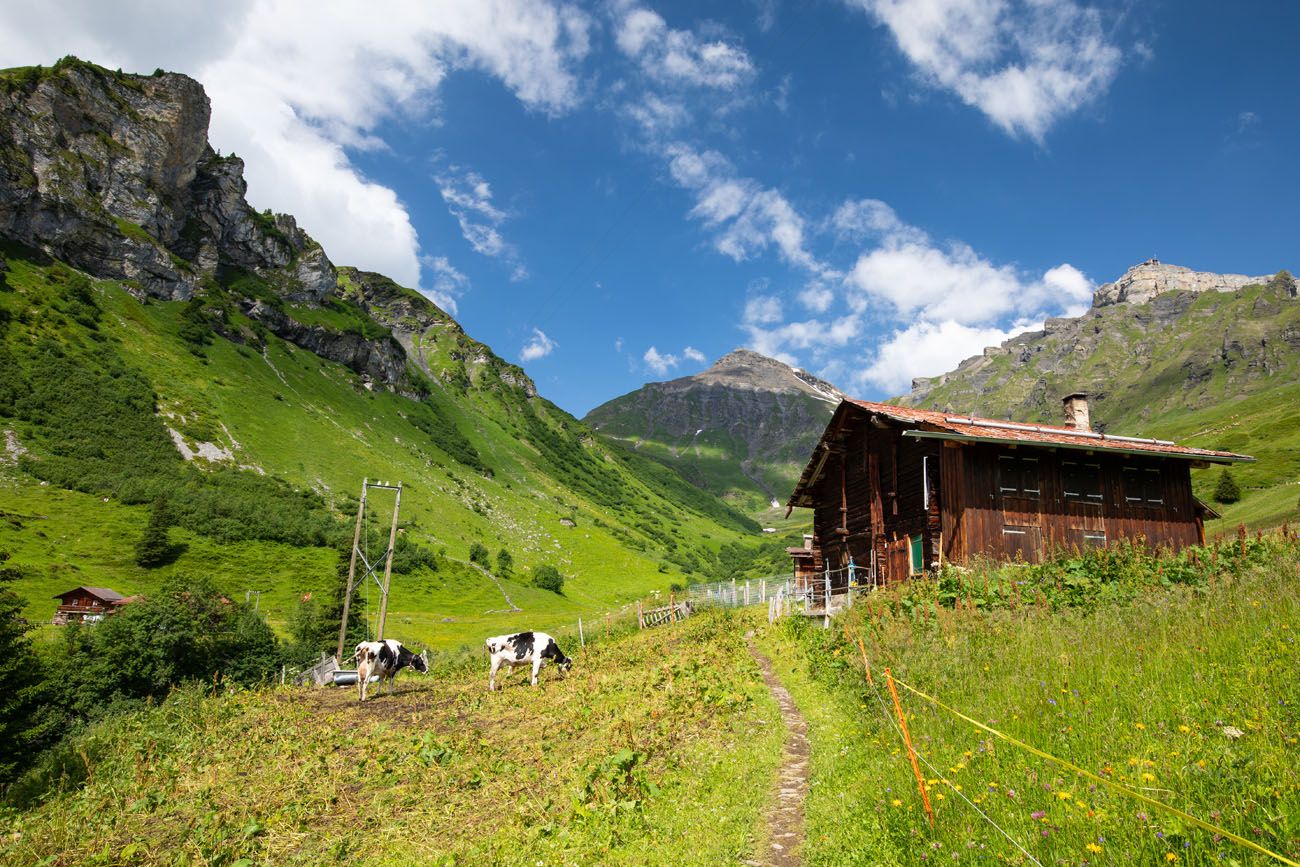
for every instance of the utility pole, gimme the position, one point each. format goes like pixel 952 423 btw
pixel 388 567
pixel 366 486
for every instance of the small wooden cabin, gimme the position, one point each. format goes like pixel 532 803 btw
pixel 86 604
pixel 896 490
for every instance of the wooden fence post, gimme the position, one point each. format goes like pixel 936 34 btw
pixel 581 638
pixel 911 752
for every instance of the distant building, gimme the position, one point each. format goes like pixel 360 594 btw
pixel 88 604
pixel 897 490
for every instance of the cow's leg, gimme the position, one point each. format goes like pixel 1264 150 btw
pixel 492 675
pixel 537 666
pixel 362 676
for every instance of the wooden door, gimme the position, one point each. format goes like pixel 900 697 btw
pixel 1022 514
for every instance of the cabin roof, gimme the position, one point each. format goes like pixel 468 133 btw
pixel 102 593
pixel 929 424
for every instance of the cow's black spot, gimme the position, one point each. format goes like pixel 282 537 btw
pixel 386 656
pixel 523 645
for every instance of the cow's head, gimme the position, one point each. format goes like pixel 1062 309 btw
pixel 564 665
pixel 421 662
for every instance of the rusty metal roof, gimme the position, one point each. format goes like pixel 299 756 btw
pixel 929 424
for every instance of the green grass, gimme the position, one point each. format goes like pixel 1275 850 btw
pixel 1139 693
pixel 658 748
pixel 280 410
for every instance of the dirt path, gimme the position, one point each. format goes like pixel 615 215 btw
pixel 785 817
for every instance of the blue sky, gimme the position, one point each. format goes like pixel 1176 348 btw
pixel 616 192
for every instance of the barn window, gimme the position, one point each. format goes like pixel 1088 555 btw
pixel 1081 482
pixel 915 557
pixel 1017 476
pixel 1143 486
pixel 1085 539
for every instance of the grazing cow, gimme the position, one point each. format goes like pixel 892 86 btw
pixel 524 648
pixel 385 658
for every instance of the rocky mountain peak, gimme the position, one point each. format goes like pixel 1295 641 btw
pixel 746 369
pixel 1145 281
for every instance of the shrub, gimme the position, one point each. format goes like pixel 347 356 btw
pixel 547 577
pixel 505 563
pixel 478 553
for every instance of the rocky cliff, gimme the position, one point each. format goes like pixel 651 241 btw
pixel 113 174
pixel 742 428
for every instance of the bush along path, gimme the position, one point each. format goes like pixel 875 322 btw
pixel 785 817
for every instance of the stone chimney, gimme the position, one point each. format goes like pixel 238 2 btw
pixel 1076 411
pixel 807 541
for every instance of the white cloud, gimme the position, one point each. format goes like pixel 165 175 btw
pixel 538 346
pixel 660 363
pixel 915 277
pixel 679 57
pixel 469 199
pixel 448 282
pixel 1024 63
pixel 295 84
pixel 928 349
pixel 745 217
pixel 763 310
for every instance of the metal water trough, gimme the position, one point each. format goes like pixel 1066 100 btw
pixel 346 677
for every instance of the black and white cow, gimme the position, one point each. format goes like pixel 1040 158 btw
pixel 385 658
pixel 524 648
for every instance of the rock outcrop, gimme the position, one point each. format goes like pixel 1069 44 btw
pixel 113 173
pixel 1152 278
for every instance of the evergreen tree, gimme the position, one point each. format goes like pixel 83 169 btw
pixel 478 553
pixel 505 563
pixel 1226 491
pixel 155 546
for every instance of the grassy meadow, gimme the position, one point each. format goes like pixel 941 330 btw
pixel 1177 682
pixel 482 465
pixel 657 748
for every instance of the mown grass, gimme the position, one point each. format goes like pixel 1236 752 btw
pixel 658 748
pixel 1146 693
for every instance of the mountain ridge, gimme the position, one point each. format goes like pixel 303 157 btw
pixel 740 429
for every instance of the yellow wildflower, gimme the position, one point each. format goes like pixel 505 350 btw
pixel 1064 796
pixel 1170 856
pixel 1184 729
pixel 1141 726
pixel 1148 778
pixel 1093 848
pixel 897 803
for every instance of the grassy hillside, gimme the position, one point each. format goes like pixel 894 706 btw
pixel 1218 370
pixel 655 749
pixel 1187 695
pixel 99 385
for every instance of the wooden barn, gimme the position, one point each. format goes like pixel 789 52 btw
pixel 897 490
pixel 87 604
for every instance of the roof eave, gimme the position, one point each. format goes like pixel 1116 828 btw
pixel 1083 447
